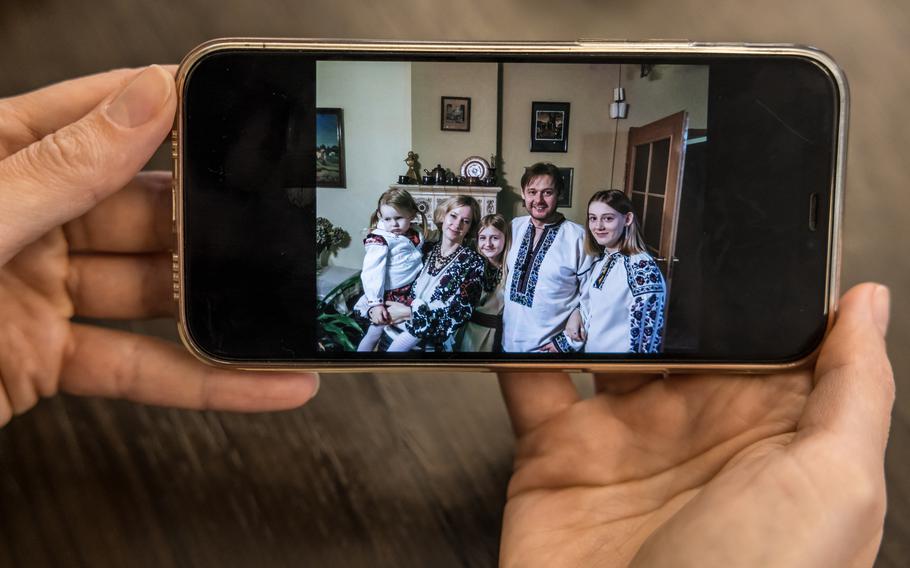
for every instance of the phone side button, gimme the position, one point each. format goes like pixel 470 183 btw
pixel 174 207
pixel 175 275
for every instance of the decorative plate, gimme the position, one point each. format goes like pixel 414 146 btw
pixel 475 167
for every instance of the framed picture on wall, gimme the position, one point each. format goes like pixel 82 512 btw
pixel 330 147
pixel 455 114
pixel 565 198
pixel 549 127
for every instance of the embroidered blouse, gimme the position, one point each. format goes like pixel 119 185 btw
pixel 622 306
pixel 443 297
pixel 391 261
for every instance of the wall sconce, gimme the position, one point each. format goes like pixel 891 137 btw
pixel 619 108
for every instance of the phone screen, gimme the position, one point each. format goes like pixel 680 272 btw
pixel 380 207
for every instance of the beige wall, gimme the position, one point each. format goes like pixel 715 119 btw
pixel 430 82
pixel 390 108
pixel 666 90
pixel 376 98
pixel 589 89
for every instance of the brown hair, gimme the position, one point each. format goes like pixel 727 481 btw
pixel 497 221
pixel 403 202
pixel 630 241
pixel 542 169
pixel 455 202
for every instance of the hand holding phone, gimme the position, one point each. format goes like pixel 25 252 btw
pixel 713 470
pixel 85 234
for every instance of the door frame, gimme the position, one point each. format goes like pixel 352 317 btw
pixel 675 128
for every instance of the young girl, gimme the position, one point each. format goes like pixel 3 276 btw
pixel 622 303
pixel 392 261
pixel 483 332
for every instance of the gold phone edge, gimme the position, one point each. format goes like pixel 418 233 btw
pixel 603 47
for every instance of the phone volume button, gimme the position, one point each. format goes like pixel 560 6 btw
pixel 174 206
pixel 175 275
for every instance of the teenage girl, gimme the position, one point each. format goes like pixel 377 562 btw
pixel 622 303
pixel 483 332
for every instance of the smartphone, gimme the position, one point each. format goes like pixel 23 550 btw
pixel 585 206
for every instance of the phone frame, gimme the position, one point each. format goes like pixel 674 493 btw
pixel 583 46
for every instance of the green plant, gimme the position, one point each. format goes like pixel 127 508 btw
pixel 329 237
pixel 337 329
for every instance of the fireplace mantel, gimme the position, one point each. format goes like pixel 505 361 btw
pixel 428 197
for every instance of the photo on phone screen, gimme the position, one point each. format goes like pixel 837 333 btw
pixel 371 208
pixel 576 240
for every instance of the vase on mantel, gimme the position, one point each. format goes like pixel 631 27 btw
pixel 322 259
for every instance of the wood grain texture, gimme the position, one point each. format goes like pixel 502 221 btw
pixel 377 471
pixel 386 471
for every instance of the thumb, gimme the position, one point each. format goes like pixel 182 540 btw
pixel 854 383
pixel 68 172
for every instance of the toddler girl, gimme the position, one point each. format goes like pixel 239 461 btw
pixel 392 261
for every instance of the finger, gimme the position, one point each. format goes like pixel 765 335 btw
pixel 533 398
pixel 135 219
pixel 68 172
pixel 620 383
pixel 6 406
pixel 32 116
pixel 115 364
pixel 121 286
pixel 854 384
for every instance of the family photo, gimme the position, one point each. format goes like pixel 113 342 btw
pixel 571 252
pixel 538 283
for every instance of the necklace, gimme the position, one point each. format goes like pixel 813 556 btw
pixel 437 260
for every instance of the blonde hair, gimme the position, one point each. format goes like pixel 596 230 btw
pixel 455 202
pixel 630 240
pixel 498 222
pixel 403 202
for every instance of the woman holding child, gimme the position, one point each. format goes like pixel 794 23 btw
pixel 448 287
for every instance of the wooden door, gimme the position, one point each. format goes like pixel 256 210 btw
pixel 654 166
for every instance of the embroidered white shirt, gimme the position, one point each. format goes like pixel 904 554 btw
pixel 390 261
pixel 543 282
pixel 622 305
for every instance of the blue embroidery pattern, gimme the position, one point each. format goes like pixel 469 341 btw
pixel 647 312
pixel 562 343
pixel 647 323
pixel 602 277
pixel 516 294
pixel 644 276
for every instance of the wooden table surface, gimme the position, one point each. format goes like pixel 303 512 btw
pixel 385 470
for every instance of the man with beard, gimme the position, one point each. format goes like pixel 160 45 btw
pixel 546 265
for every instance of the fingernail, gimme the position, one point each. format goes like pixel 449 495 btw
pixel 317 382
pixel 141 100
pixel 881 307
